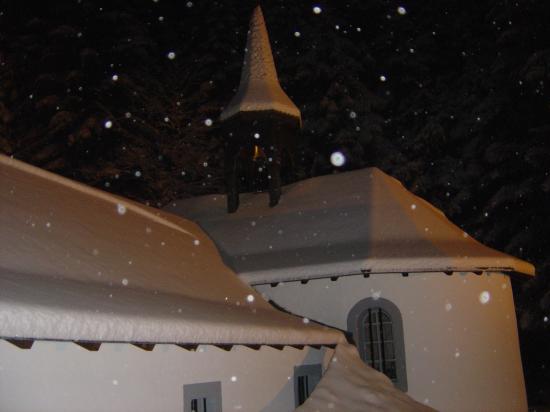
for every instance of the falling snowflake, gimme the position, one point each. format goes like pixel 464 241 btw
pixel 108 124
pixel 137 173
pixel 352 115
pixel 250 298
pixel 196 242
pixel 297 34
pixel 233 379
pixel 171 55
pixel 189 4
pixel 125 282
pixel 305 320
pixel 317 10
pixel 484 297
pixel 337 159
pixel 256 135
pixel 413 206
pixel 208 122
pixel 121 209
pixel 115 77
pixel 383 78
pixel 448 307
pixel 401 10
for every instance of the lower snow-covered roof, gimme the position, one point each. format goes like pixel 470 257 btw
pixel 361 221
pixel 80 264
pixel 351 385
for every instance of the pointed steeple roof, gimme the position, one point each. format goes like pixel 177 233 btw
pixel 259 88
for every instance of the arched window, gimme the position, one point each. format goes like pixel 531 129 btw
pixel 377 329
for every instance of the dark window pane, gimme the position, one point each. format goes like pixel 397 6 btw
pixel 375 333
pixel 388 331
pixel 390 370
pixel 366 328
pixel 368 352
pixel 375 352
pixel 389 350
pixel 302 389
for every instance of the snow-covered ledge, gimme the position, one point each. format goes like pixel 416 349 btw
pixel 352 386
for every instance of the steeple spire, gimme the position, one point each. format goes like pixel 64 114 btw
pixel 259 89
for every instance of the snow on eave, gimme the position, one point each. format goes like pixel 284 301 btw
pixel 73 268
pixel 340 224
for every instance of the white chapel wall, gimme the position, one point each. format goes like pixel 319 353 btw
pixel 63 377
pixel 462 353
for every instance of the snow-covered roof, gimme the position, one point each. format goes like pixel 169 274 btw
pixel 259 89
pixel 352 386
pixel 346 223
pixel 80 264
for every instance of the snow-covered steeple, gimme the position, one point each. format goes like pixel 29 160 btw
pixel 259 89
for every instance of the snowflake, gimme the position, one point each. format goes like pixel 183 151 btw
pixel 337 159
pixel 121 209
pixel 484 297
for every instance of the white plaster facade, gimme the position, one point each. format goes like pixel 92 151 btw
pixel 461 354
pixel 63 377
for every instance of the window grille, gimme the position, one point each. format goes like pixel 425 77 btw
pixel 306 377
pixel 202 397
pixel 377 329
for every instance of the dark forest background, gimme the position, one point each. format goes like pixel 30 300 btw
pixel 462 119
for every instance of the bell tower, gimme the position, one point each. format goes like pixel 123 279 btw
pixel 260 122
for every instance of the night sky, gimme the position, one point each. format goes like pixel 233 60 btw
pixel 450 97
